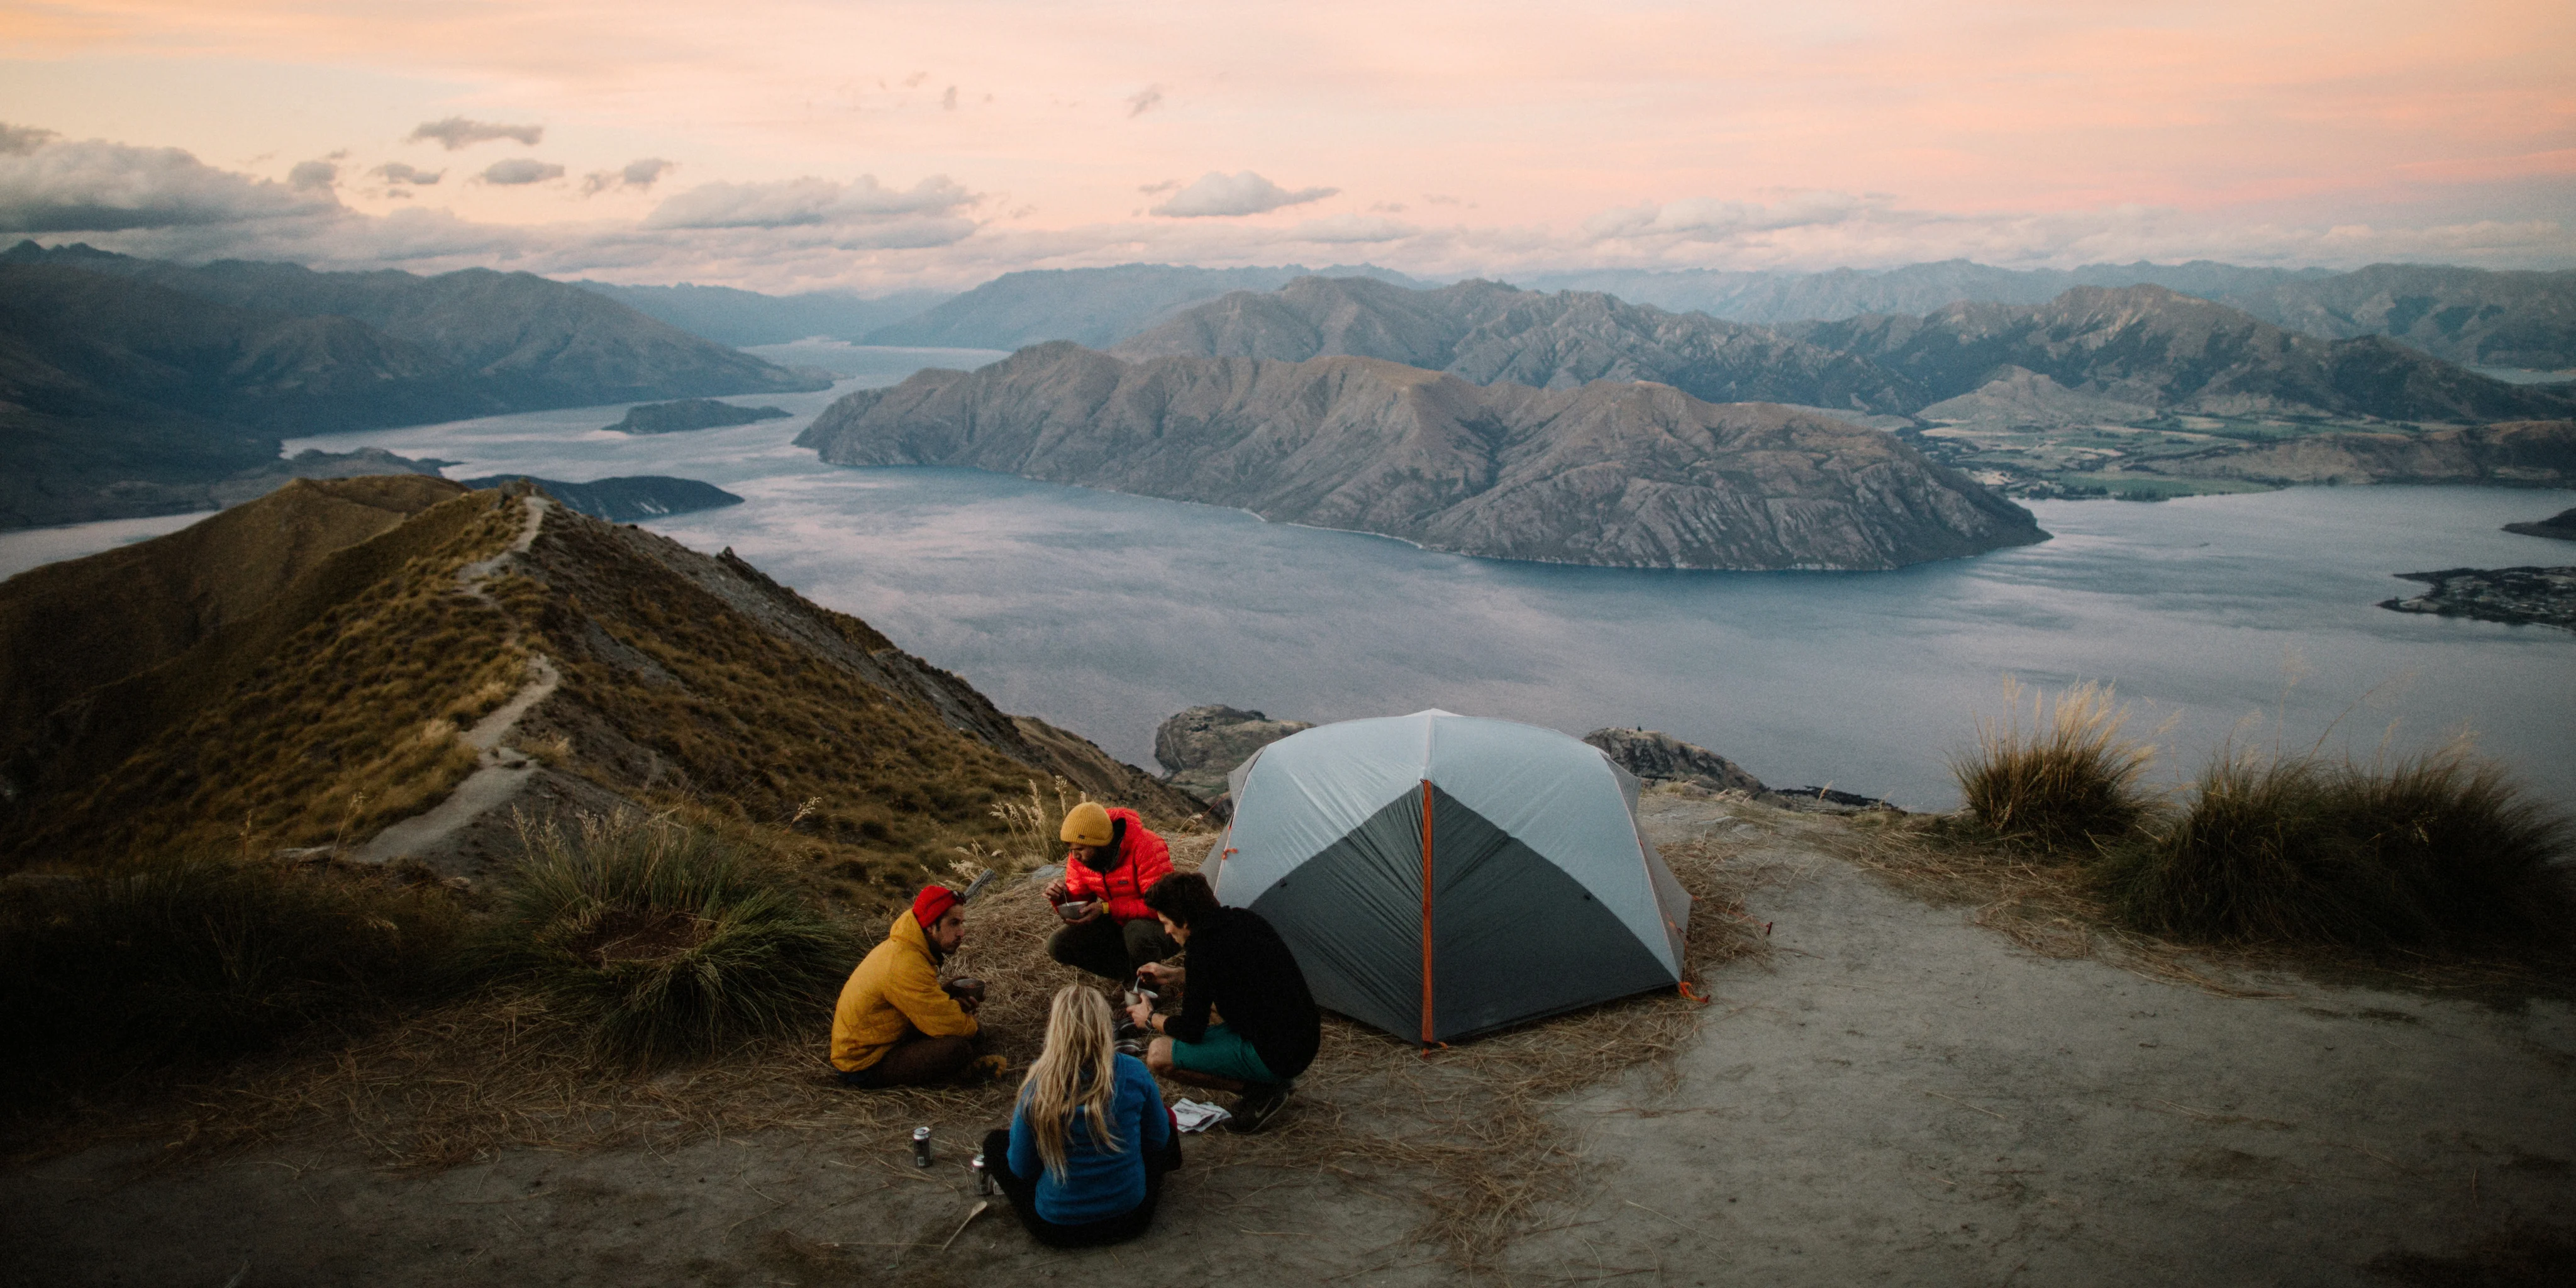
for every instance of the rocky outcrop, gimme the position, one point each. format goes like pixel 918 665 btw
pixel 1620 475
pixel 1487 332
pixel 2561 525
pixel 2525 453
pixel 1201 746
pixel 690 414
pixel 1662 758
pixel 2521 596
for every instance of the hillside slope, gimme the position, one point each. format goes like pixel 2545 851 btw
pixel 1487 332
pixel 319 696
pixel 1628 475
pixel 130 387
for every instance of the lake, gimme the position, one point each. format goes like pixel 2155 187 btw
pixel 2247 616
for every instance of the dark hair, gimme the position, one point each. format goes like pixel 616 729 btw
pixel 1185 897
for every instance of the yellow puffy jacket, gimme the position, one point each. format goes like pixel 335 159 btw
pixel 896 986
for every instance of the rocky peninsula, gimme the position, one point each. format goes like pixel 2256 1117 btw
pixel 2561 525
pixel 2524 596
pixel 1634 475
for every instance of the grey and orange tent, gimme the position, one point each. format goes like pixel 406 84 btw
pixel 1441 875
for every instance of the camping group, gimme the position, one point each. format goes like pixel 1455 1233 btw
pixel 1436 876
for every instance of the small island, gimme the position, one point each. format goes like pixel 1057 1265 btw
pixel 692 413
pixel 2521 596
pixel 2561 525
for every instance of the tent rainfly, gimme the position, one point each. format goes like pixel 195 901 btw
pixel 1440 875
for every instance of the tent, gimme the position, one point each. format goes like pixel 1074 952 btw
pixel 1441 875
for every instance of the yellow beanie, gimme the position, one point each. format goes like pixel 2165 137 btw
pixel 1086 824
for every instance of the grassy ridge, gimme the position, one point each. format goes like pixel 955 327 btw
pixel 329 712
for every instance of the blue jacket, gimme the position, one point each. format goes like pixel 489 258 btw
pixel 1097 1184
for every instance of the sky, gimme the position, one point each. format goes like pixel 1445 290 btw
pixel 787 145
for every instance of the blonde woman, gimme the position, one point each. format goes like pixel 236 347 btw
pixel 1084 1158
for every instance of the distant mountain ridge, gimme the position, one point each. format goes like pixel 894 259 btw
pixel 127 386
pixel 1091 306
pixel 1624 475
pixel 2157 348
pixel 2089 349
pixel 742 318
pixel 1487 332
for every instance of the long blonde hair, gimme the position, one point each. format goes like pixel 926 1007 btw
pixel 1077 1072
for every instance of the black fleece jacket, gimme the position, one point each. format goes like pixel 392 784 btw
pixel 1239 965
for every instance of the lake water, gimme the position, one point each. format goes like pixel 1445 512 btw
pixel 2246 615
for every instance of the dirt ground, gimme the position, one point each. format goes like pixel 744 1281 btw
pixel 1893 1094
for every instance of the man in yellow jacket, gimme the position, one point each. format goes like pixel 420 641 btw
pixel 897 1024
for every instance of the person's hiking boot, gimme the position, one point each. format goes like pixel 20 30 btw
pixel 1258 1104
pixel 985 1068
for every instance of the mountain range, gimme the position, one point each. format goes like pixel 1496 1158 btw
pixel 1089 306
pixel 2145 349
pixel 1486 332
pixel 727 315
pixel 130 386
pixel 2475 317
pixel 1607 473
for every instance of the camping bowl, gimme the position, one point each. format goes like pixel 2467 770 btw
pixel 1074 911
pixel 966 986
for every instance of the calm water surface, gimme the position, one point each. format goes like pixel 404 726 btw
pixel 2250 615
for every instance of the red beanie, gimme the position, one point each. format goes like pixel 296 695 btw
pixel 932 903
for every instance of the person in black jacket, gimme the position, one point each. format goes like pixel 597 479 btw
pixel 1247 1023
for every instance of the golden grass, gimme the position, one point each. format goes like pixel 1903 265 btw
pixel 1466 1131
pixel 2058 909
pixel 2060 776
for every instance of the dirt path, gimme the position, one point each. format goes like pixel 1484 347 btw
pixel 500 774
pixel 1898 1097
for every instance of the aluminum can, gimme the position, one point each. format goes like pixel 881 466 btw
pixel 983 1178
pixel 921 1147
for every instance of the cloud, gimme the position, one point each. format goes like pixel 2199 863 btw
pixel 1143 101
pixel 1154 189
pixel 642 173
pixel 520 170
pixel 949 99
pixel 98 186
pixel 1706 219
pixel 1243 193
pixel 457 132
pixel 308 176
pixel 1352 229
pixel 19 140
pixel 807 202
pixel 397 172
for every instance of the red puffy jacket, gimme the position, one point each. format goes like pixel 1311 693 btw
pixel 1143 859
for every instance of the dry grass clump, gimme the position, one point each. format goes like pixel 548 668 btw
pixel 657 941
pixel 2442 849
pixel 2061 778
pixel 172 959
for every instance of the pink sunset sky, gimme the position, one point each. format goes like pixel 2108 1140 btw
pixel 787 145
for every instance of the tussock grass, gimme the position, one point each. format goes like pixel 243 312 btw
pixel 2062 777
pixel 2442 849
pixel 658 941
pixel 172 960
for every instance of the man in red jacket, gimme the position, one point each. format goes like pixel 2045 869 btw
pixel 1112 861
